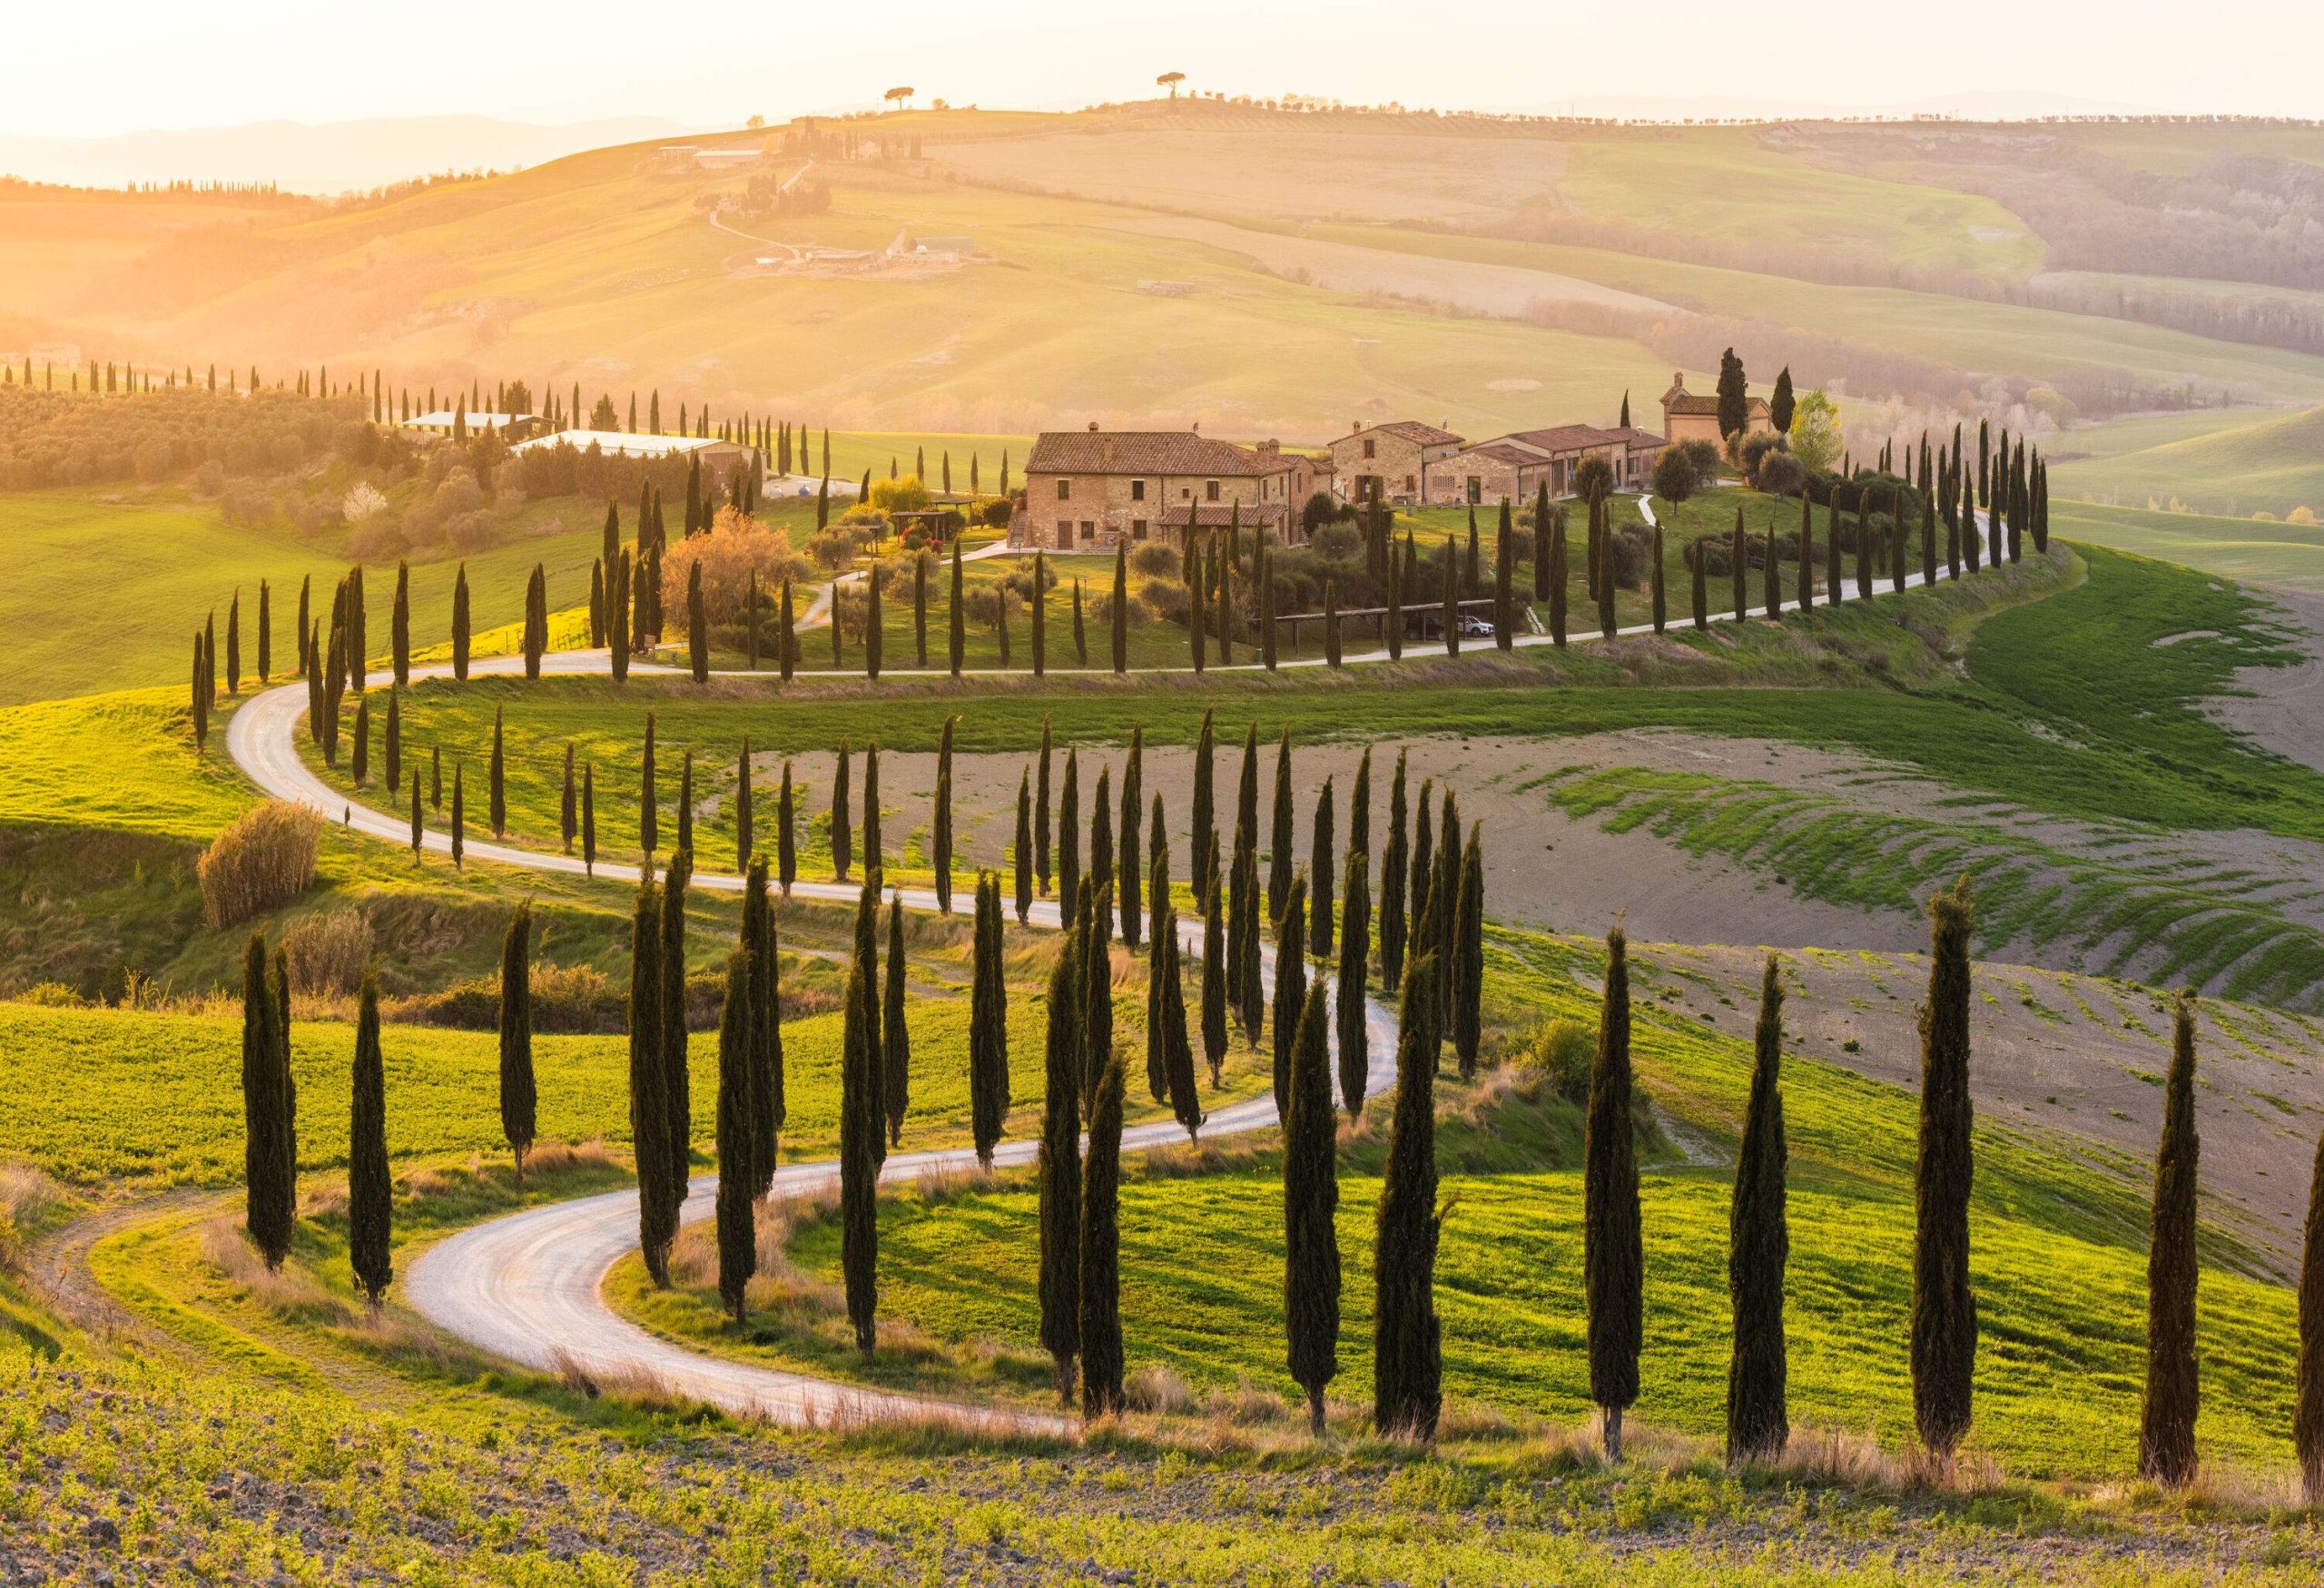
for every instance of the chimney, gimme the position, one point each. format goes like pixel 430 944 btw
pixel 1093 427
pixel 1196 428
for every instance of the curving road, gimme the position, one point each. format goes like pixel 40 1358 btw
pixel 528 1286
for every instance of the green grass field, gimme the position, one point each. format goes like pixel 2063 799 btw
pixel 2059 1266
pixel 2272 464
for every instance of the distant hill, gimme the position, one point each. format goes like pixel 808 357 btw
pixel 334 157
pixel 2271 465
pixel 1258 271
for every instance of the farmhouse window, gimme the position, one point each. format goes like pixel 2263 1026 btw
pixel 1064 533
pixel 1089 530
pixel 1476 490
pixel 1065 490
pixel 1138 529
pixel 1137 490
pixel 1210 490
pixel 1370 450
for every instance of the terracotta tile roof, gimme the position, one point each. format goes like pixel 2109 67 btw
pixel 1147 452
pixel 1502 452
pixel 1414 430
pixel 1636 437
pixel 1562 437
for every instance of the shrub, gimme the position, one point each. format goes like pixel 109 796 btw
pixel 1675 478
pixel 262 860
pixel 728 551
pixel 52 995
pixel 1593 476
pixel 1780 474
pixel 1707 459
pixel 1154 560
pixel 906 495
pixel 327 953
pixel 1561 1051
pixel 997 512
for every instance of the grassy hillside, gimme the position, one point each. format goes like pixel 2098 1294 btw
pixel 605 268
pixel 2269 465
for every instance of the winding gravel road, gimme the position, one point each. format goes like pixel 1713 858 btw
pixel 528 1286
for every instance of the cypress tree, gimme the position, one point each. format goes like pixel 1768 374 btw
pixel 676 1079
pixel 786 833
pixel 459 622
pixel 858 1162
pixel 1039 616
pixel 1281 858
pixel 1080 634
pixel 1359 804
pixel 1213 967
pixel 920 610
pixel 956 617
pixel 234 645
pixel 1699 593
pixel 1332 623
pixel 1542 541
pixel 1132 851
pixel 1290 988
pixel 568 808
pixel 391 744
pixel 1658 589
pixel 1739 569
pixel 268 1177
pixel 786 634
pixel 359 764
pixel 874 624
pixel 1121 608
pixel 685 803
pixel 369 1188
pixel 588 819
pixel 459 817
pixel 1944 1312
pixel 1394 861
pixel 1504 600
pixel 1101 859
pixel 1097 998
pixel 1418 894
pixel 265 631
pixel 1407 1357
pixel 895 1074
pixel 769 1107
pixel 518 1097
pixel 1203 826
pixel 1613 1264
pixel 2167 1417
pixel 649 1103
pixel 1068 838
pixel 742 807
pixel 1243 891
pixel 1157 952
pixel 1773 560
pixel 842 835
pixel 1311 1198
pixel 1319 873
pixel 1558 577
pixel 1758 1248
pixel 1468 955
pixel 497 781
pixel 738 1247
pixel 2307 1407
pixel 1355 947
pixel 874 859
pixel 1059 1163
pixel 988 1025
pixel 1041 810
pixel 418 831
pixel 1391 622
pixel 941 843
pixel 1101 1314
pixel 1269 651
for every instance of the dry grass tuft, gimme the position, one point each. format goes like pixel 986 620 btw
pixel 1156 1389
pixel 286 1292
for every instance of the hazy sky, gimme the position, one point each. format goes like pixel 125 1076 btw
pixel 88 69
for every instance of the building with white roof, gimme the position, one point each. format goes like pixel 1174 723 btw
pixel 713 452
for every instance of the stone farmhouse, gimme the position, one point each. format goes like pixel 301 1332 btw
pixel 1689 417
pixel 1390 462
pixel 1088 490
pixel 1515 467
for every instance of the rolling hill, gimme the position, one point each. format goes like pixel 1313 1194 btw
pixel 1255 270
